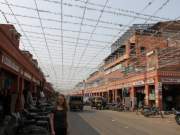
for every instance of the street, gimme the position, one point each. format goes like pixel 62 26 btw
pixel 106 122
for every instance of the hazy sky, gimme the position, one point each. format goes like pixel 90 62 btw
pixel 68 53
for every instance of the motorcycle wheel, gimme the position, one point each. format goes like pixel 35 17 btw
pixel 177 118
pixel 146 114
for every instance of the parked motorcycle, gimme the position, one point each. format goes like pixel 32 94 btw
pixel 151 111
pixel 177 116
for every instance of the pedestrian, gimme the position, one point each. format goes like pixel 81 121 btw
pixel 58 118
pixel 104 102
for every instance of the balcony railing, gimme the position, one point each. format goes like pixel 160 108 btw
pixel 118 60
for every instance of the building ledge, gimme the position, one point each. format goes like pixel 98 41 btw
pixel 118 60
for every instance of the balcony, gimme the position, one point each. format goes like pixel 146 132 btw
pixel 116 61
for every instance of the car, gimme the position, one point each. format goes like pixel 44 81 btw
pixel 76 103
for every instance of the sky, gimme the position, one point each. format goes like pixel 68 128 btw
pixel 71 38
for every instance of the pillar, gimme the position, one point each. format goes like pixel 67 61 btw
pixel 116 95
pixel 146 94
pixel 108 97
pixel 113 95
pixel 132 95
pixel 158 92
pixel 20 102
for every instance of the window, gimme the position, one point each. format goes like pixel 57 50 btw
pixel 143 50
pixel 132 49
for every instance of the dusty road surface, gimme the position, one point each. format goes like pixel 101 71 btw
pixel 105 122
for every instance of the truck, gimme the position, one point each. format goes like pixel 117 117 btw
pixel 76 103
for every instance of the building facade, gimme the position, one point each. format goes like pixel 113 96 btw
pixel 18 70
pixel 143 67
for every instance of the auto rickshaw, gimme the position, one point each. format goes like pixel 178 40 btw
pixel 96 101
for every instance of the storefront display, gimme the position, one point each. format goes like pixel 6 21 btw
pixel 171 96
pixel 152 96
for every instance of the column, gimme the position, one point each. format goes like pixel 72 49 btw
pixel 31 86
pixel 146 91
pixel 19 103
pixel 113 95
pixel 116 95
pixel 158 92
pixel 132 95
pixel 108 97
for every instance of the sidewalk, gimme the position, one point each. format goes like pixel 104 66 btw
pixel 166 118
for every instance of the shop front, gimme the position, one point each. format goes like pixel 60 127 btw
pixel 139 93
pixel 9 84
pixel 119 95
pixel 150 94
pixel 126 96
pixel 110 95
pixel 170 93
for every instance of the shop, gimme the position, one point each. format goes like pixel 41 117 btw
pixel 8 84
pixel 150 94
pixel 28 81
pixel 126 97
pixel 119 95
pixel 110 96
pixel 8 81
pixel 16 69
pixel 139 92
pixel 170 93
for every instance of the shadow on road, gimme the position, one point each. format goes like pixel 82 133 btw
pixel 77 126
pixel 87 109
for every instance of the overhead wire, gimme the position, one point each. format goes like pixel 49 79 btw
pixel 81 44
pixel 65 15
pixel 149 4
pixel 44 35
pixel 69 44
pixel 65 22
pixel 122 10
pixel 62 47
pixel 127 13
pixel 68 37
pixel 160 8
pixel 67 30
pixel 4 16
pixel 92 10
pixel 77 40
pixel 135 63
pixel 83 53
pixel 23 31
pixel 133 19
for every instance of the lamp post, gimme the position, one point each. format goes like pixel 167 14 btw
pixel 84 87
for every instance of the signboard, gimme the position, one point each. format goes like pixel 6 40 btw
pixel 21 72
pixel 10 63
pixel 150 81
pixel 159 92
pixel 117 67
pixel 170 80
pixel 138 83
pixel 127 85
pixel 36 81
pixel 149 53
pixel 151 61
pixel 27 75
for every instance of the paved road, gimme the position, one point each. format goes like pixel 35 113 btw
pixel 92 122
